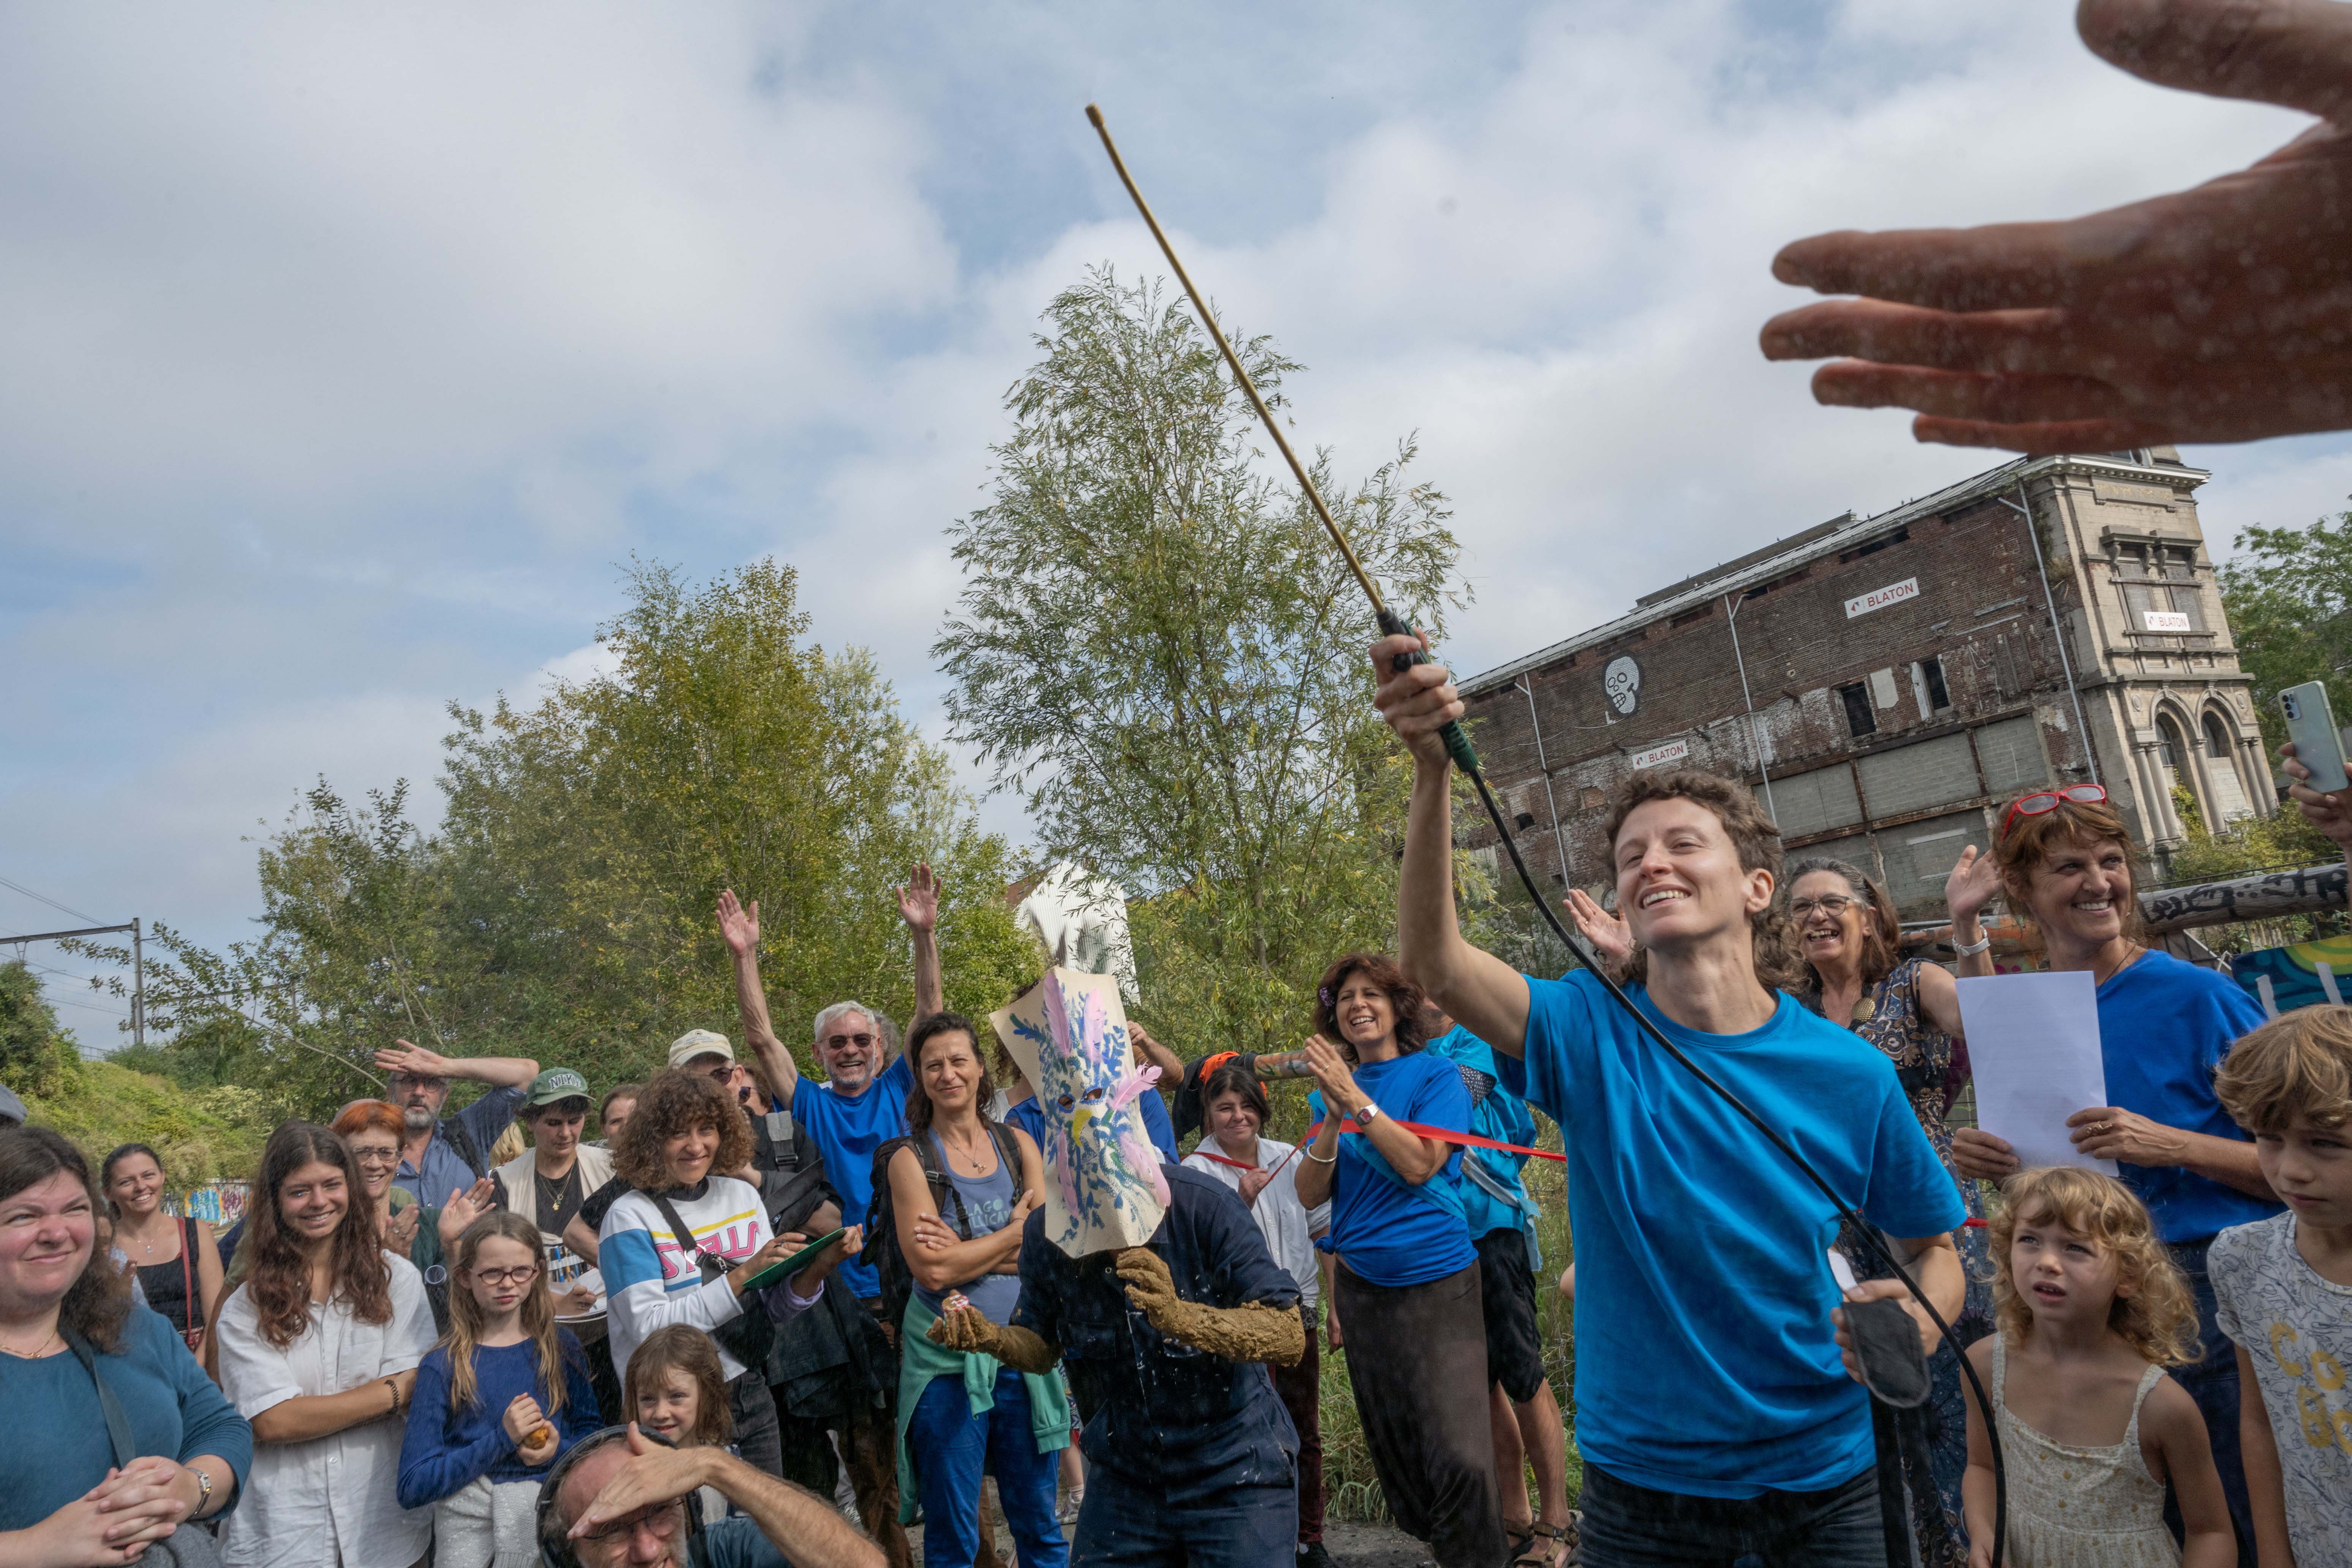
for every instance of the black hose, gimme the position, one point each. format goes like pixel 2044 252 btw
pixel 1585 955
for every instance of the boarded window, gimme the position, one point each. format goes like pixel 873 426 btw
pixel 1807 804
pixel 1854 851
pixel 1919 855
pixel 2012 754
pixel 1859 720
pixel 1912 778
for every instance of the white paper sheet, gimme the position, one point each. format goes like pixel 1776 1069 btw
pixel 2033 1048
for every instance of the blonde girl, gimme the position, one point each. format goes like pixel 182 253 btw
pixel 497 1401
pixel 678 1390
pixel 2091 1311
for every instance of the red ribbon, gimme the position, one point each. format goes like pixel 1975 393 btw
pixel 1447 1135
pixel 1221 1160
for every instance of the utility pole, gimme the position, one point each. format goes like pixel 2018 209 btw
pixel 138 965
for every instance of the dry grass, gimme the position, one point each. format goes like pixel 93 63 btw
pixel 200 1136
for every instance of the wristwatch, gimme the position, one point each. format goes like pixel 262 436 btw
pixel 1368 1115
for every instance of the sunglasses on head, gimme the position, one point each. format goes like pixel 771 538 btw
pixel 2048 801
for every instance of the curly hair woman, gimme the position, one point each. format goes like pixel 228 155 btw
pixel 1406 1282
pixel 682 1245
pixel 318 1348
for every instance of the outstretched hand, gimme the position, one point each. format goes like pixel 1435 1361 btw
pixel 462 1210
pixel 1610 936
pixel 918 901
pixel 739 926
pixel 2218 313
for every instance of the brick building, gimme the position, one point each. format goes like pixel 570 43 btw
pixel 1888 683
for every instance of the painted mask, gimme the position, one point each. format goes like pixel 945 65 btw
pixel 1103 1186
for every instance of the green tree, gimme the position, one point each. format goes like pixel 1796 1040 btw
pixel 2288 594
pixel 564 908
pixel 37 1054
pixel 1159 649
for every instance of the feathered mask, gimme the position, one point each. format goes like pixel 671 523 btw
pixel 1103 1186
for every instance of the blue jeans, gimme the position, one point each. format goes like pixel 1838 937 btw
pixel 2212 1383
pixel 951 1446
pixel 1626 1526
pixel 1124 1525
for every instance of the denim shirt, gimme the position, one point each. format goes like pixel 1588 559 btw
pixel 444 1170
pixel 1163 1415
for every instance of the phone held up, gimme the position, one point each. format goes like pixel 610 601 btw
pixel 2311 725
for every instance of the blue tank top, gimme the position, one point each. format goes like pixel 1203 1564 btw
pixel 987 1208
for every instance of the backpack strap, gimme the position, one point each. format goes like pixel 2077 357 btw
pixel 684 1237
pixel 781 1138
pixel 927 1155
pixel 117 1425
pixel 462 1140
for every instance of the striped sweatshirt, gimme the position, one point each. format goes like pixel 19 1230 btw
pixel 652 1278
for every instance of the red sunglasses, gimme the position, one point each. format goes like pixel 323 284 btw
pixel 2049 801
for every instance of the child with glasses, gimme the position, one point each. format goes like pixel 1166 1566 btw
pixel 498 1400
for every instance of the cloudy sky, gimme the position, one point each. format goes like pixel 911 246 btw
pixel 345 352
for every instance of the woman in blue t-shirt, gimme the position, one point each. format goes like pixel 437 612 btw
pixel 1406 1283
pixel 2065 859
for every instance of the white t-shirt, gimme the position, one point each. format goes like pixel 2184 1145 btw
pixel 651 1279
pixel 1290 1226
pixel 2296 1328
pixel 308 1503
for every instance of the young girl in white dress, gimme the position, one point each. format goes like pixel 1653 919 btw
pixel 2091 1311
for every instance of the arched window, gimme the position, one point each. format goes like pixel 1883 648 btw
pixel 2230 802
pixel 2217 739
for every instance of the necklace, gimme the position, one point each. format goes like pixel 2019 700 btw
pixel 36 1351
pixel 969 1154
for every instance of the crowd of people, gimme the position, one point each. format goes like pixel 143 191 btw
pixel 760 1304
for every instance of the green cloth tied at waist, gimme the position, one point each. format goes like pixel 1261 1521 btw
pixel 920 1361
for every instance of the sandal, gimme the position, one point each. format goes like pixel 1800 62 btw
pixel 1561 1551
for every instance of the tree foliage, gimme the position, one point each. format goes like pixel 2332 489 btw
pixel 562 910
pixel 1160 649
pixel 2288 592
pixel 35 1054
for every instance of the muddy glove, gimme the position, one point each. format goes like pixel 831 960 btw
pixel 1251 1332
pixel 963 1328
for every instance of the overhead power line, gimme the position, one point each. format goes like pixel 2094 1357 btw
pixel 44 899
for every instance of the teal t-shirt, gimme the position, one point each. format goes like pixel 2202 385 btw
pixel 1705 1358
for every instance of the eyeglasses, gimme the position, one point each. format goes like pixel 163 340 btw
pixel 1833 905
pixel 720 1073
pixel 662 1518
pixel 837 1041
pixel 506 1276
pixel 2049 801
pixel 401 1078
pixel 376 1156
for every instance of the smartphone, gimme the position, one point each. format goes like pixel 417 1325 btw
pixel 2311 725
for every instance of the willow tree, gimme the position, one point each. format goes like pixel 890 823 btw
pixel 1160 650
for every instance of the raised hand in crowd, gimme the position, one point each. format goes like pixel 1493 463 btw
pixel 2218 313
pixel 1975 881
pixel 739 927
pixel 463 1209
pixel 1612 938
pixel 918 899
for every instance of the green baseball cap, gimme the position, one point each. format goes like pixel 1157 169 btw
pixel 556 1084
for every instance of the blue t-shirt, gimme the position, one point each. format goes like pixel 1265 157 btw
pixel 1030 1117
pixel 1495 1113
pixel 2164 1027
pixel 849 1130
pixel 61 1448
pixel 444 1451
pixel 1705 1358
pixel 1385 1231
